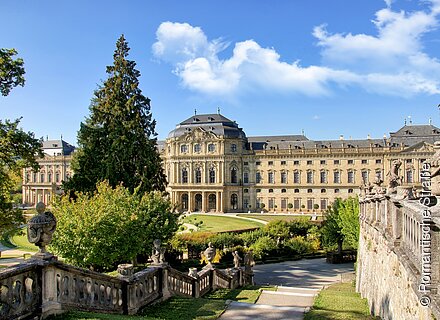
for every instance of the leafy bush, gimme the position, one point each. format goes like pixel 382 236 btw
pixel 222 240
pixel 277 229
pixel 298 245
pixel 300 226
pixel 111 226
pixel 263 247
pixel 251 237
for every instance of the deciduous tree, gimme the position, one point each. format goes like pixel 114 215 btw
pixel 117 141
pixel 11 71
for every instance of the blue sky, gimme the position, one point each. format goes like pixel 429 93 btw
pixel 276 67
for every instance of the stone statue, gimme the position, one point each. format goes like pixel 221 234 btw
pixel 434 162
pixel 158 254
pixel 249 261
pixel 40 230
pixel 394 179
pixel 377 185
pixel 193 273
pixel 209 254
pixel 237 259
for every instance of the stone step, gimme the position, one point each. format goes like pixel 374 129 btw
pixel 298 289
pixel 247 311
pixel 292 299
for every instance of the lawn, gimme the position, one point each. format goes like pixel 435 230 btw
pixel 209 307
pixel 21 242
pixel 339 302
pixel 213 223
pixel 273 217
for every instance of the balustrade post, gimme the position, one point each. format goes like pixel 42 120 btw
pixel 49 301
pixel 397 221
pixel 164 283
pixel 195 282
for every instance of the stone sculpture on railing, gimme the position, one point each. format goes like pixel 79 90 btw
pixel 193 273
pixel 40 230
pixel 158 254
pixel 394 180
pixel 209 254
pixel 249 263
pixel 237 259
pixel 378 189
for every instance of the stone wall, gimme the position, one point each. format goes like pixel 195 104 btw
pixel 388 270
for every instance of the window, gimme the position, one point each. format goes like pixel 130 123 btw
pixel 336 177
pixel 336 190
pixel 284 203
pixel 309 204
pixel 211 147
pixel 296 204
pixel 309 162
pixel 322 162
pixel 270 163
pixel 258 177
pixel 198 175
pixel 184 175
pixel 309 176
pixel 323 204
pixel 378 161
pixel 245 163
pixel 364 174
pixel 34 177
pixel 309 191
pixel 409 176
pixel 283 177
pixel 283 163
pixel 246 203
pixel 296 162
pixel 233 175
pixel 49 177
pixel 350 190
pixel 323 190
pixel 270 190
pixel 257 190
pixel 57 178
pixel 233 147
pixel 197 148
pixel 183 148
pixel 323 177
pixel 246 177
pixel 364 161
pixel 211 175
pixel 296 177
pixel 42 177
pixel 257 163
pixel 350 177
pixel 335 162
pixel 271 203
pixel 258 203
pixel 296 191
pixel 246 190
pixel 350 161
pixel 408 160
pixel 283 190
pixel 234 201
pixel 379 174
pixel 27 177
pixel 270 178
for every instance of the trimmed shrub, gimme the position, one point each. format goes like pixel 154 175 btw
pixel 263 247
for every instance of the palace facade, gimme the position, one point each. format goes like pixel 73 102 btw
pixel 54 169
pixel 212 166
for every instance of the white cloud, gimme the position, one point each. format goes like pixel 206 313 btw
pixel 391 62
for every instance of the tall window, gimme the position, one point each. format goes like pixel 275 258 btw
pixel 233 147
pixel 323 177
pixel 323 204
pixel 198 175
pixel 309 204
pixel 336 177
pixel 283 177
pixel 309 176
pixel 211 147
pixel 257 177
pixel 184 175
pixel 270 177
pixel 233 175
pixel 409 176
pixel 296 203
pixel 364 176
pixel 57 177
pixel 211 175
pixel 42 177
pixel 234 201
pixel 49 177
pixel 350 177
pixel 246 177
pixel 197 148
pixel 271 203
pixel 183 148
pixel 296 177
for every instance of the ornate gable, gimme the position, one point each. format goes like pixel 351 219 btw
pixel 419 147
pixel 198 135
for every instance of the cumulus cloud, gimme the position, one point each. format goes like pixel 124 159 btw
pixel 390 62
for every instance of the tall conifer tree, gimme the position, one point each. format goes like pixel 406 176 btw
pixel 117 142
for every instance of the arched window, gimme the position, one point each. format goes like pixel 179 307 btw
pixel 184 175
pixel 185 202
pixel 212 202
pixel 212 175
pixel 211 147
pixel 246 177
pixel 233 175
pixel 57 177
pixel 234 201
pixel 197 148
pixel 49 177
pixel 198 175
pixel 42 177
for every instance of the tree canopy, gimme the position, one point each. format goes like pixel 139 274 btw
pixel 18 150
pixel 110 227
pixel 117 141
pixel 11 71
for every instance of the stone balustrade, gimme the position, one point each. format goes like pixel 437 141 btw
pixel 398 257
pixel 39 288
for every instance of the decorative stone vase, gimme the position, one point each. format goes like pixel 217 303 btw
pixel 40 230
pixel 209 254
pixel 193 273
pixel 126 270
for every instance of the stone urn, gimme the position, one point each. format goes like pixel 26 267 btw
pixel 209 254
pixel 40 230
pixel 193 273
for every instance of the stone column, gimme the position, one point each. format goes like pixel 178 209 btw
pixel 190 201
pixel 221 202
pixel 203 201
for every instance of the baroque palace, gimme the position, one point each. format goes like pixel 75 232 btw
pixel 212 166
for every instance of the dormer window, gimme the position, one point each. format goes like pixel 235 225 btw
pixel 55 145
pixel 196 119
pixel 408 132
pixel 211 119
pixel 435 131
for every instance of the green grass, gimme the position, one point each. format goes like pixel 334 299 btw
pixel 339 302
pixel 221 224
pixel 273 217
pixel 21 242
pixel 209 307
